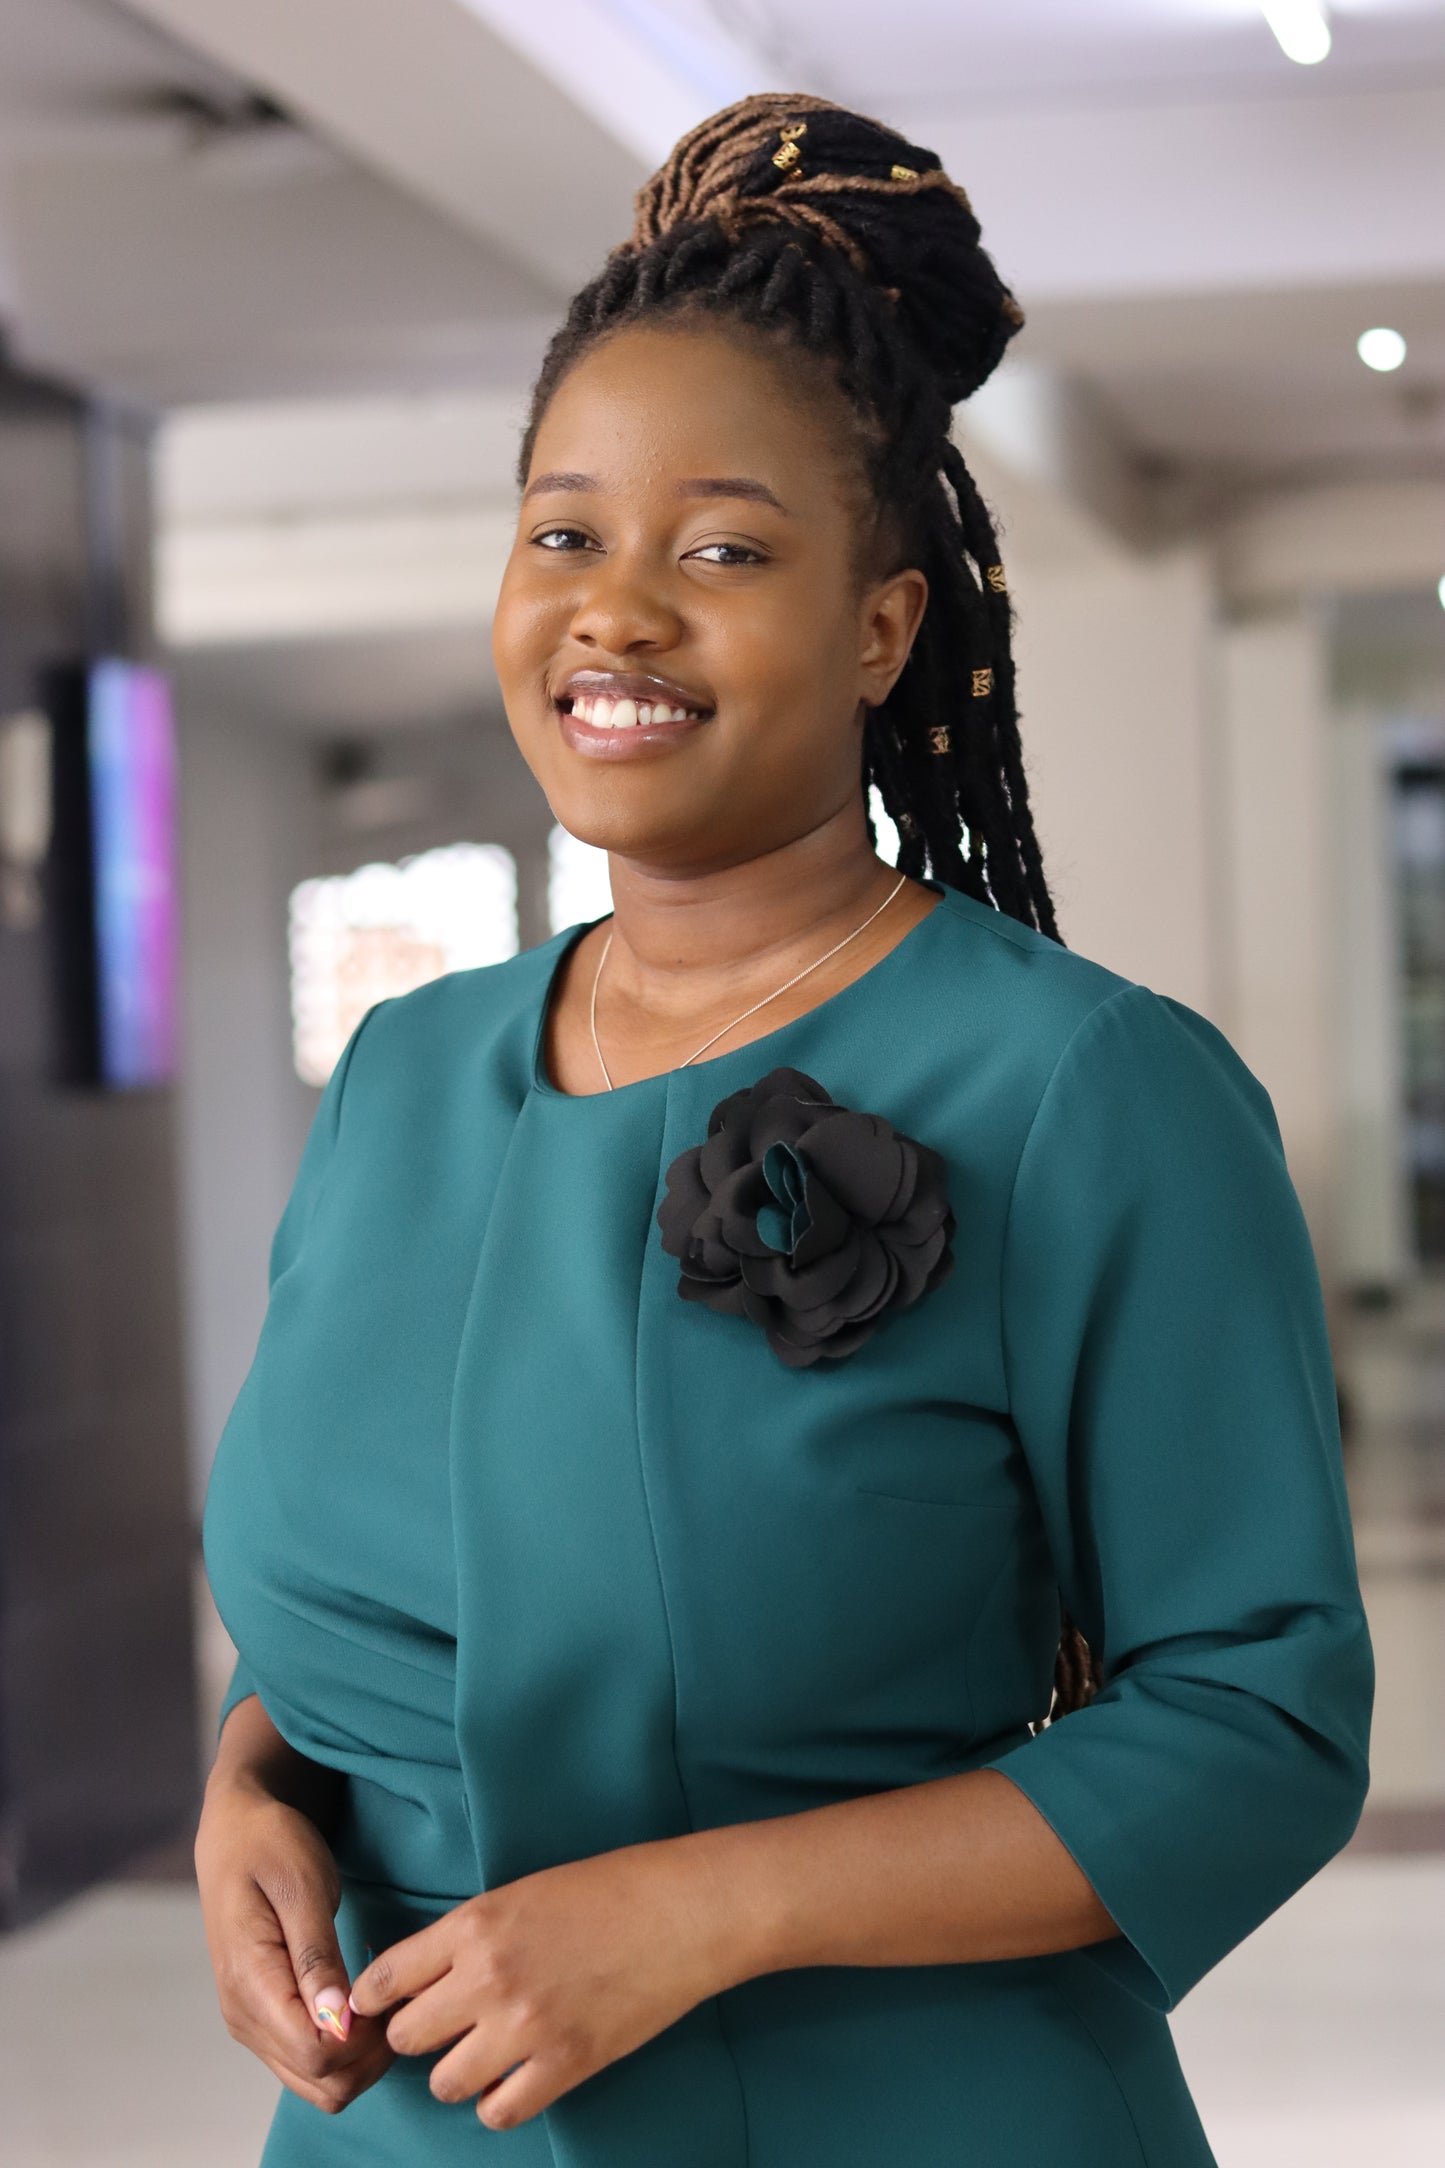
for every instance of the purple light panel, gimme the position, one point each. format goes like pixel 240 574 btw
pixel 131 744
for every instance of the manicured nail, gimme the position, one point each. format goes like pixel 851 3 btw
pixel 332 2010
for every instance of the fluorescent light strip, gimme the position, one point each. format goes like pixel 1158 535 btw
pixel 1302 28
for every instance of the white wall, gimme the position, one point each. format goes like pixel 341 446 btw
pixel 1281 971
pixel 1115 694
pixel 1373 1242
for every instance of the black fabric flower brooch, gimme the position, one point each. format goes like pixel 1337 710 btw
pixel 810 1219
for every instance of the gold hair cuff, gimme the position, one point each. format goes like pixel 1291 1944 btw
pixel 996 579
pixel 789 154
pixel 903 173
pixel 938 737
pixel 982 684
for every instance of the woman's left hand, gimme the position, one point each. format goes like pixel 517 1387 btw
pixel 549 1978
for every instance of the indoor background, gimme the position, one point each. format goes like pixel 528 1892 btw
pixel 274 275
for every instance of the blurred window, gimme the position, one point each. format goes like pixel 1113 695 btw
pixel 357 938
pixel 579 888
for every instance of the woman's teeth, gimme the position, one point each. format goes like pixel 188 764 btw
pixel 605 713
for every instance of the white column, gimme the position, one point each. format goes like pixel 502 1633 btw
pixel 1279 927
pixel 1115 688
pixel 1372 1229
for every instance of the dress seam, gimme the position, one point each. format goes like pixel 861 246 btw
pixel 1107 2060
pixel 723 2034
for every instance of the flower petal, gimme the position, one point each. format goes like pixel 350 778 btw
pixel 726 1148
pixel 860 1158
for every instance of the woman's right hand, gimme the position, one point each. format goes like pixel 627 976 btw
pixel 269 1891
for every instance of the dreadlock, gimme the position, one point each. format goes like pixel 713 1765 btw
pixel 790 221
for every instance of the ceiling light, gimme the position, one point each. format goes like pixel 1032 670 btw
pixel 1302 28
pixel 1440 591
pixel 1380 348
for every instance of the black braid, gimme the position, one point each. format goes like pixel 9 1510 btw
pixel 859 252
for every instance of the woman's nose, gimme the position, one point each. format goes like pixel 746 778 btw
pixel 621 608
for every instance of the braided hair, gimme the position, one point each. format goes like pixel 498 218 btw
pixel 792 222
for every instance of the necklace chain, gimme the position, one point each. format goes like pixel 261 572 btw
pixel 773 996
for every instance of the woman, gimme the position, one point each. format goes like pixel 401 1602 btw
pixel 704 1352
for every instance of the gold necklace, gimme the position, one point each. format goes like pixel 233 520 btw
pixel 777 990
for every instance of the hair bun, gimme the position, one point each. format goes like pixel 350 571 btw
pixel 854 185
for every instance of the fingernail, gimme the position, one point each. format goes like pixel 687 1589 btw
pixel 332 2011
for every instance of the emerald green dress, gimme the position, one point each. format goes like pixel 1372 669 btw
pixel 548 1560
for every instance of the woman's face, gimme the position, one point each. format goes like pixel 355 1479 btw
pixel 684 643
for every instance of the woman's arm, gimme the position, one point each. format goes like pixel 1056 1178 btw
pixel 958 1870
pixel 540 1982
pixel 253 1759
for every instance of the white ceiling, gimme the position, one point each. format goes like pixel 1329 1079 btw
pixel 167 240
pixel 1198 228
pixel 1025 52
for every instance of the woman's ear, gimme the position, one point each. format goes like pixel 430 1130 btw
pixel 890 617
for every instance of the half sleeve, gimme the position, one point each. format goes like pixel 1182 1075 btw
pixel 316 1157
pixel 1170 1380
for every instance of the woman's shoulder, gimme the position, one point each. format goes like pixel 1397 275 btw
pixel 489 1010
pixel 1070 1021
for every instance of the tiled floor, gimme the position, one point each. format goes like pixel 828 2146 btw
pixel 1318 2044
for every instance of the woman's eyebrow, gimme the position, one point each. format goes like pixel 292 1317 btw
pixel 730 485
pixel 540 482
pixel 703 485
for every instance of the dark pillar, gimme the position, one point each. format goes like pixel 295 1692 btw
pixel 97 1728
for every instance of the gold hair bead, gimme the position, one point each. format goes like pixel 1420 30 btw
pixel 789 154
pixel 982 684
pixel 996 579
pixel 938 737
pixel 903 173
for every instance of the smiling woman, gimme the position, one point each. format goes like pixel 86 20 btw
pixel 697 1398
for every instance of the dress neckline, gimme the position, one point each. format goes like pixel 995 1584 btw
pixel 568 940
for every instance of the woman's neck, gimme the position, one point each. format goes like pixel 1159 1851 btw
pixel 682 941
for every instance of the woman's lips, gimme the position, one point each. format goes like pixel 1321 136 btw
pixel 612 727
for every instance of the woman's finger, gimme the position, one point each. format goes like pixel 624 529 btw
pixel 406 1968
pixel 524 2092
pixel 440 2014
pixel 307 1919
pixel 269 1984
pixel 482 2058
pixel 263 2006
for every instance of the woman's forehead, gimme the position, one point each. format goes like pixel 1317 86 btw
pixel 672 405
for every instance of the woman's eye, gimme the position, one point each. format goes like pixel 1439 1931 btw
pixel 728 553
pixel 561 538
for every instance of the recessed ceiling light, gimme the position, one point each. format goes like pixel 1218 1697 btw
pixel 1380 348
pixel 1302 28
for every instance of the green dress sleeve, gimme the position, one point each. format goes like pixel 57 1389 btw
pixel 1171 1383
pixel 286 1243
